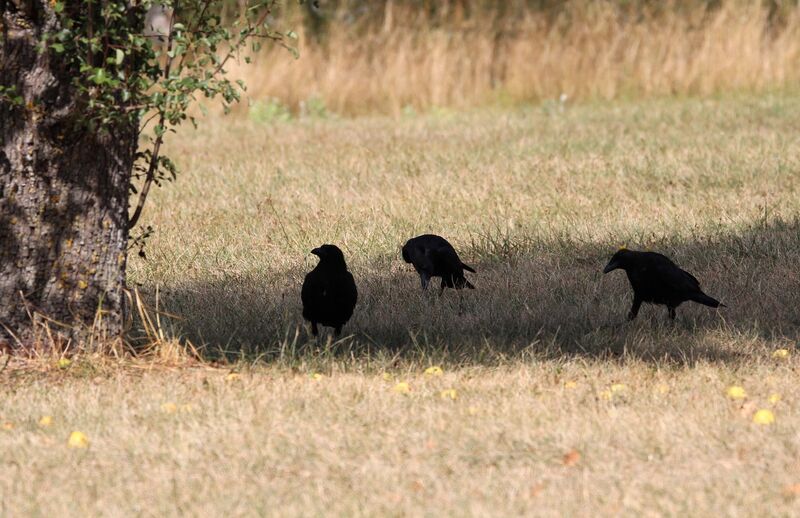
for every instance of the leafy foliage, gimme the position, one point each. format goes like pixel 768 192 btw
pixel 147 63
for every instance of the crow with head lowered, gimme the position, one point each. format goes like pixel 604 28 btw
pixel 329 292
pixel 657 280
pixel 433 256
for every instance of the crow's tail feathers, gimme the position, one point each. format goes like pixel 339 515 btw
pixel 702 298
pixel 468 268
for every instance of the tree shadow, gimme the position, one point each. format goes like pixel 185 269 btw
pixel 541 300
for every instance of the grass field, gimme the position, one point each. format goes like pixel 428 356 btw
pixel 560 406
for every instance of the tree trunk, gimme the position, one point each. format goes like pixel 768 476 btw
pixel 63 193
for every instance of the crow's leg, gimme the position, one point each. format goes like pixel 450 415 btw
pixel 337 331
pixel 424 279
pixel 314 330
pixel 637 303
pixel 671 311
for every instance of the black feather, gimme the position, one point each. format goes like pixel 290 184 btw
pixel 657 280
pixel 434 256
pixel 329 291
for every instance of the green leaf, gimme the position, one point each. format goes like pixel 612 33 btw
pixel 99 76
pixel 122 78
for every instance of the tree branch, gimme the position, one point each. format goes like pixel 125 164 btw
pixel 153 166
pixel 243 39
pixel 151 170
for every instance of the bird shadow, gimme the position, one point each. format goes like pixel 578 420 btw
pixel 545 300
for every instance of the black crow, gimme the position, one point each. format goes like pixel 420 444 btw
pixel 433 256
pixel 329 292
pixel 657 280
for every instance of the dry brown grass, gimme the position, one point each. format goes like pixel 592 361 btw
pixel 591 50
pixel 537 199
pixel 515 441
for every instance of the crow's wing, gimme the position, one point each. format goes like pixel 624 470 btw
pixel 691 278
pixel 314 292
pixel 348 295
pixel 446 259
pixel 677 278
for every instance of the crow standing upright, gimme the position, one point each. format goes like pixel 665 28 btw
pixel 433 256
pixel 657 280
pixel 329 292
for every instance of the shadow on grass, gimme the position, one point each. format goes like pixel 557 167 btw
pixel 536 299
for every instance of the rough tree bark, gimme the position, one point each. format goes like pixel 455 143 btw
pixel 63 191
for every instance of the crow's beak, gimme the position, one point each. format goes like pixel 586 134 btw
pixel 611 266
pixel 316 252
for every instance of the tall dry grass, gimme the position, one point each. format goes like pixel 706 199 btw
pixel 586 50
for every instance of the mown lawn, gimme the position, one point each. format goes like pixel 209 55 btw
pixel 559 405
pixel 569 437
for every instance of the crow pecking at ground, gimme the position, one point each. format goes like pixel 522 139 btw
pixel 329 292
pixel 433 256
pixel 657 280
